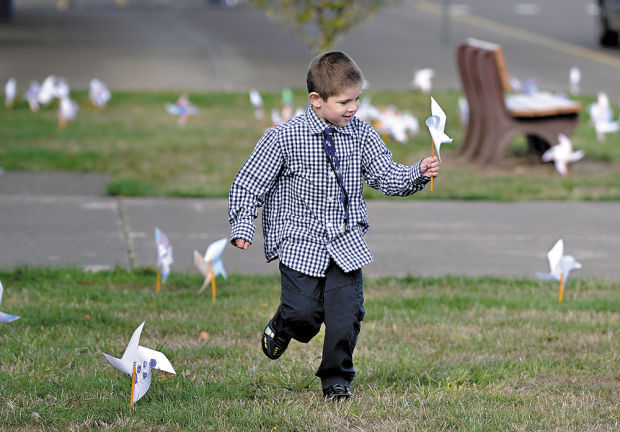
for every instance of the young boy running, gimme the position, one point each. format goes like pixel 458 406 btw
pixel 308 175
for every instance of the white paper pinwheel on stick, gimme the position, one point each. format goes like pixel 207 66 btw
pixel 463 107
pixel 32 96
pixel 47 91
pixel 211 264
pixel 61 89
pixel 138 362
pixel 5 317
pixel 10 91
pixel 560 266
pixel 574 77
pixel 276 117
pixel 562 154
pixel 601 116
pixel 164 256
pixel 53 87
pixel 183 109
pixel 98 93
pixel 67 111
pixel 257 102
pixel 423 80
pixel 436 124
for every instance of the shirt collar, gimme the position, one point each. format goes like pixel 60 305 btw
pixel 317 126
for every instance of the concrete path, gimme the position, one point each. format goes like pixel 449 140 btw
pixel 65 218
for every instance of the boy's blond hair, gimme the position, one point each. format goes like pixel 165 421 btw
pixel 331 73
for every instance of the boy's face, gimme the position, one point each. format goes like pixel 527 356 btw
pixel 337 110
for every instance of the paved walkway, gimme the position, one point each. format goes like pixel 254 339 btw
pixel 65 218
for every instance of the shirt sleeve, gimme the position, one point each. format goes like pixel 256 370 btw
pixel 385 175
pixel 257 175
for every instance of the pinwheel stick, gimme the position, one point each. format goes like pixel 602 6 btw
pixel 212 283
pixel 133 383
pixel 158 279
pixel 561 287
pixel 432 155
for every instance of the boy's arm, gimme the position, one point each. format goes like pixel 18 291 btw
pixel 392 178
pixel 254 179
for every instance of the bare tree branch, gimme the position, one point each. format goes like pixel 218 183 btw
pixel 320 23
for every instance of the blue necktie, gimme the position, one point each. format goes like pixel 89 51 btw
pixel 330 149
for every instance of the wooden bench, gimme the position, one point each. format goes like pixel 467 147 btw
pixel 496 116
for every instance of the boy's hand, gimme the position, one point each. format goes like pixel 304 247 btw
pixel 430 167
pixel 242 244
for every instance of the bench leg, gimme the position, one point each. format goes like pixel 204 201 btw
pixel 495 146
pixel 536 144
pixel 473 138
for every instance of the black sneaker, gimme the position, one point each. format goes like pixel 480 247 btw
pixel 273 344
pixel 336 393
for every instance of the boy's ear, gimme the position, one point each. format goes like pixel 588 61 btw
pixel 315 99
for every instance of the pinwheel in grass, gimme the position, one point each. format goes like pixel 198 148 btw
pixel 560 266
pixel 211 264
pixel 5 317
pixel 138 362
pixel 164 256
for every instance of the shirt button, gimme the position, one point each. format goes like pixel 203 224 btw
pixel 343 228
pixel 331 173
pixel 329 224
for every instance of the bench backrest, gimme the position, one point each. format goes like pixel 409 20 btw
pixel 500 62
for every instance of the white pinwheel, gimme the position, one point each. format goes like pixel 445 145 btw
pixel 138 362
pixel 164 253
pixel 183 109
pixel 562 154
pixel 436 124
pixel 423 80
pixel 560 266
pixel 463 107
pixel 257 102
pixel 601 116
pixel 5 317
pixel 67 111
pixel 574 77
pixel 98 93
pixel 32 96
pixel 211 265
pixel 10 91
pixel 47 91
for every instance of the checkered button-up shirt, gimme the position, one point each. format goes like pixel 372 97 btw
pixel 288 173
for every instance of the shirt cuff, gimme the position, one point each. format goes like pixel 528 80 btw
pixel 416 176
pixel 243 230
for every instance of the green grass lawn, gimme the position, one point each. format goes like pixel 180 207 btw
pixel 444 353
pixel 147 154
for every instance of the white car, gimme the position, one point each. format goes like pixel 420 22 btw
pixel 609 21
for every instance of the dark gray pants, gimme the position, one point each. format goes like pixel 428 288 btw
pixel 336 300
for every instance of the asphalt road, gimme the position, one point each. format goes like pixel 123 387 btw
pixel 186 45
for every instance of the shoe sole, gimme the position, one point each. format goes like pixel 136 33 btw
pixel 277 352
